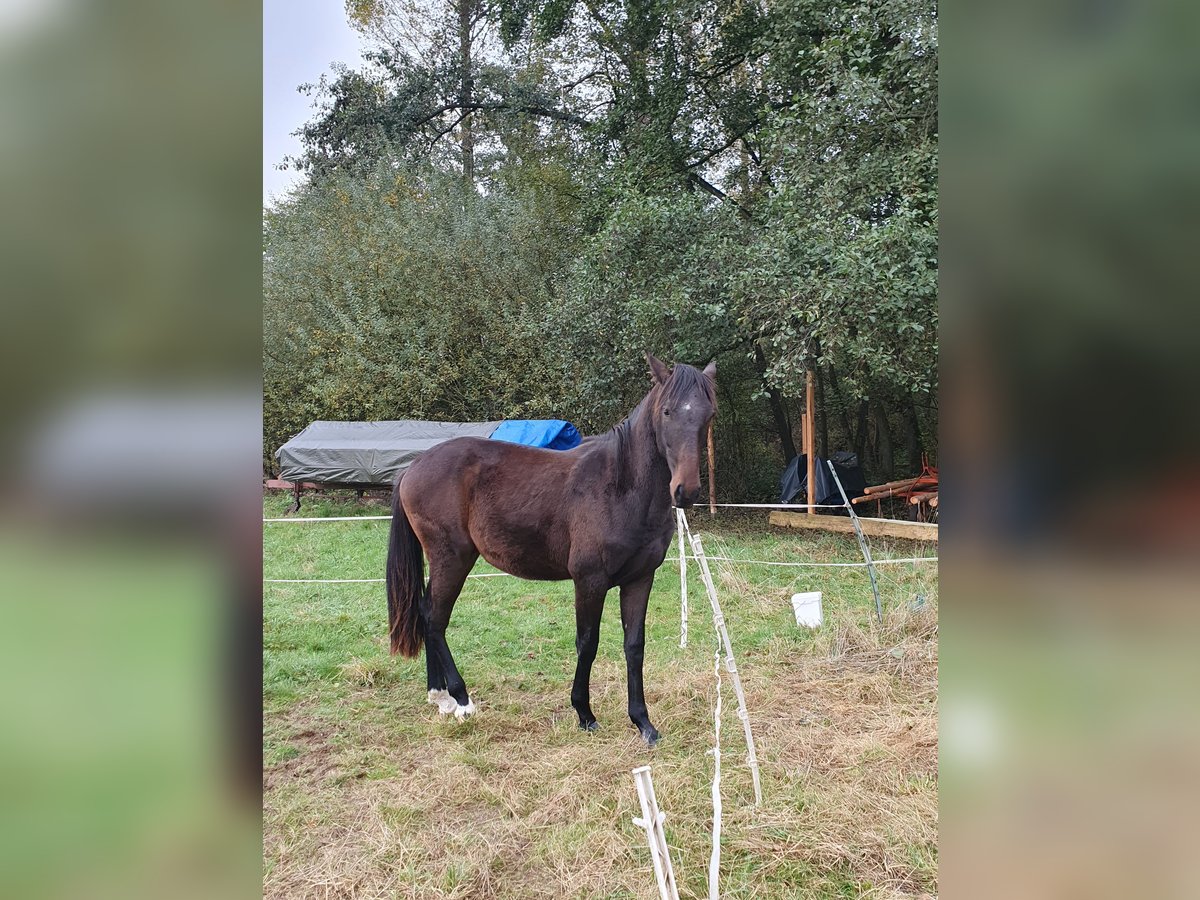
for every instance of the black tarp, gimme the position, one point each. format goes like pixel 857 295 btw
pixel 793 484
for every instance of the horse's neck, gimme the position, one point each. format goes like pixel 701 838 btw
pixel 645 470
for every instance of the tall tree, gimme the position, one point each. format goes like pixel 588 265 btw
pixel 757 180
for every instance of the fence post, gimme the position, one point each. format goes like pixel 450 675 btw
pixel 862 540
pixel 652 821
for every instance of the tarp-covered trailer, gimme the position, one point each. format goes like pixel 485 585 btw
pixel 369 455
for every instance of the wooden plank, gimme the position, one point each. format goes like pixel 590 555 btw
pixel 810 442
pixel 913 531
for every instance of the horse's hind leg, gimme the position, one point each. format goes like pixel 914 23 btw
pixel 447 575
pixel 435 678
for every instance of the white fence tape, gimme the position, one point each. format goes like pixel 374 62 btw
pixel 365 580
pixel 819 565
pixel 714 859
pixel 284 519
pixel 683 598
pixel 682 576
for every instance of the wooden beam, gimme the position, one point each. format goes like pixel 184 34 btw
pixel 913 531
pixel 275 484
pixel 809 442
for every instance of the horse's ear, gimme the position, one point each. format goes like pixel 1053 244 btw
pixel 711 370
pixel 658 368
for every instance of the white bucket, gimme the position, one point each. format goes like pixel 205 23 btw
pixel 808 609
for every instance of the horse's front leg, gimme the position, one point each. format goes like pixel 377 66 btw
pixel 589 604
pixel 634 597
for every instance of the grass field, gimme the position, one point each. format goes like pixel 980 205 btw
pixel 369 793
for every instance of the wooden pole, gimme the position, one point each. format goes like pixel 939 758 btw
pixel 891 486
pixel 809 443
pixel 712 473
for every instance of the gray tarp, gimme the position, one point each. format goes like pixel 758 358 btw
pixel 366 452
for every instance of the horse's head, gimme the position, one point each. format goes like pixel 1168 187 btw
pixel 686 404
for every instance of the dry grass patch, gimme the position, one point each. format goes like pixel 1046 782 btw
pixel 518 803
pixel 857 749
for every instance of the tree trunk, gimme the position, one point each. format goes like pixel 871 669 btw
pixel 859 437
pixel 466 94
pixel 847 431
pixel 775 400
pixel 883 440
pixel 912 435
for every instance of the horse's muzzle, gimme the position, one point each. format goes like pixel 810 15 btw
pixel 682 499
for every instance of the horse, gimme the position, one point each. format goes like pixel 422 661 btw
pixel 599 514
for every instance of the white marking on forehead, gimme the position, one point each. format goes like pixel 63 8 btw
pixel 687 406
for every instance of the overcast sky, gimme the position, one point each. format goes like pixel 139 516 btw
pixel 301 40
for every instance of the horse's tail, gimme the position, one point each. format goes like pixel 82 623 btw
pixel 405 582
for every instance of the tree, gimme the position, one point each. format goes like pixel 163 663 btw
pixel 444 33
pixel 391 295
pixel 753 181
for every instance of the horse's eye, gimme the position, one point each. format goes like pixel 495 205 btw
pixel 666 412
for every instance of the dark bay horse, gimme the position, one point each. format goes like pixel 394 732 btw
pixel 599 514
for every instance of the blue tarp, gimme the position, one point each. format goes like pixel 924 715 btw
pixel 554 434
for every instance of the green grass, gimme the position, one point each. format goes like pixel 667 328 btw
pixel 370 793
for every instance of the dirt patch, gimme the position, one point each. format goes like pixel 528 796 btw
pixel 315 760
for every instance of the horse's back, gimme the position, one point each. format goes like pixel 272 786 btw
pixel 507 501
pixel 489 470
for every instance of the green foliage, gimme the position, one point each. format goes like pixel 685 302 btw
pixel 698 180
pixel 847 269
pixel 398 295
pixel 654 278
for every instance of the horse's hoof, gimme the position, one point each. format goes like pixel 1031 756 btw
pixel 461 712
pixel 650 735
pixel 443 701
pixel 593 725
